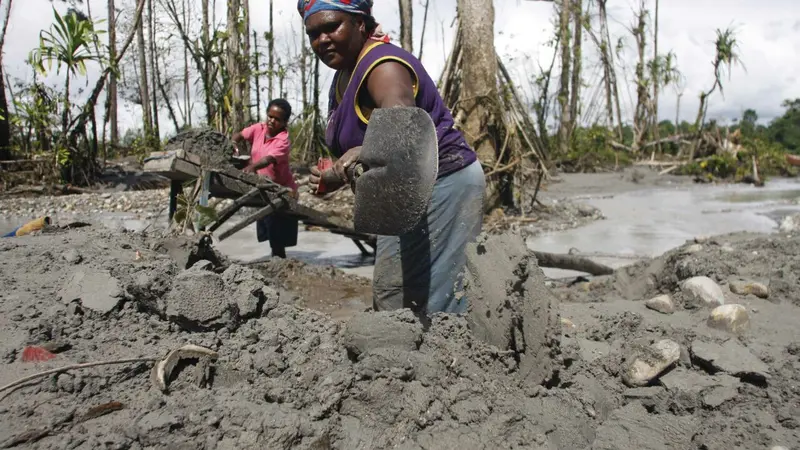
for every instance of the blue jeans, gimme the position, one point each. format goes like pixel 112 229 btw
pixel 422 269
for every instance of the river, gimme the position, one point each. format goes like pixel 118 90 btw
pixel 638 223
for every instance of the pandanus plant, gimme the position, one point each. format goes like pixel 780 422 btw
pixel 68 43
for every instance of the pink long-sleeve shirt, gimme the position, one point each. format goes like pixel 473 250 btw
pixel 264 145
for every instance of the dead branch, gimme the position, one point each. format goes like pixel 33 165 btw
pixel 15 384
pixel 572 262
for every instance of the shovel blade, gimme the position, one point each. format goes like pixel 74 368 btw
pixel 400 151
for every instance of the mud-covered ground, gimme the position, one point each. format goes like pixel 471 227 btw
pixel 587 366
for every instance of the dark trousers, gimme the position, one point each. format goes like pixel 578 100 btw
pixel 281 232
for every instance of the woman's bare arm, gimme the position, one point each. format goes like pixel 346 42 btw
pixel 391 84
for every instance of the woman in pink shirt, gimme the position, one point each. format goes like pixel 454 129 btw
pixel 269 157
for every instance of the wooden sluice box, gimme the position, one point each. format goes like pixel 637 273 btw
pixel 246 190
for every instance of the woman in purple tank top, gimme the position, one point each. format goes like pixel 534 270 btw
pixel 421 269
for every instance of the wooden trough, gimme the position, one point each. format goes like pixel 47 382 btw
pixel 246 190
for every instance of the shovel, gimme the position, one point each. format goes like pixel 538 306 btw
pixel 394 176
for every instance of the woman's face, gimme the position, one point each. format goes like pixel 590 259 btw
pixel 336 37
pixel 275 120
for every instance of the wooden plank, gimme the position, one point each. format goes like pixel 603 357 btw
pixel 226 213
pixel 260 214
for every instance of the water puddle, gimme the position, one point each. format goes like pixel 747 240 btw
pixel 649 222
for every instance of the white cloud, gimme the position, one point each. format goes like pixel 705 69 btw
pixel 768 33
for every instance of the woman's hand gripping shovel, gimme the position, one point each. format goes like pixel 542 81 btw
pixel 394 174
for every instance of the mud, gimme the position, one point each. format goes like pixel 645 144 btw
pixel 214 149
pixel 292 377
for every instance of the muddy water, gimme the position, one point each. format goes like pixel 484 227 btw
pixel 649 222
pixel 639 223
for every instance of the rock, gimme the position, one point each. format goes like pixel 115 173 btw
pixel 203 264
pixel 694 248
pixel 777 447
pixel 714 389
pixel 731 357
pixel 393 329
pixel 744 287
pixel 72 256
pixel 649 362
pixel 790 224
pixel 730 318
pixel 199 300
pixel 719 395
pixel 95 289
pixel 662 304
pixel 702 292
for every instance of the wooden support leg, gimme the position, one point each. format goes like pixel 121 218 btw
pixel 364 251
pixel 175 188
pixel 205 189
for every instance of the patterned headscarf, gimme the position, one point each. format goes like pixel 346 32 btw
pixel 359 7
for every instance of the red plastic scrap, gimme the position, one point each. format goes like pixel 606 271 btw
pixel 323 164
pixel 33 353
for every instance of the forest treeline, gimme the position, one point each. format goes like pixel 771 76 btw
pixel 179 60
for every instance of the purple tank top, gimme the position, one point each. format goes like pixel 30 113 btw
pixel 347 123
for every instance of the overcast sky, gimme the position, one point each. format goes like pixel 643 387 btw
pixel 768 32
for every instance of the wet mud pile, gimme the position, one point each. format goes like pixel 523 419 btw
pixel 729 307
pixel 214 149
pixel 522 370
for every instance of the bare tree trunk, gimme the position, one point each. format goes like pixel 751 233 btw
pixel 165 95
pixel 187 92
pixel 154 71
pixel 144 91
pixel 575 91
pixel 606 38
pixel 564 129
pixel 424 26
pixel 479 92
pixel 656 79
pixel 271 51
pixel 304 73
pixel 244 62
pixel 5 124
pixel 257 72
pixel 112 80
pixel 640 114
pixel 234 66
pixel 407 25
pixel 207 80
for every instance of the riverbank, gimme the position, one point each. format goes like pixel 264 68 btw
pixel 615 374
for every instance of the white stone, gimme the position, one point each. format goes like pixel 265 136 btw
pixel 651 362
pixel 790 223
pixel 730 318
pixel 745 287
pixel 703 292
pixel 694 248
pixel 662 304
